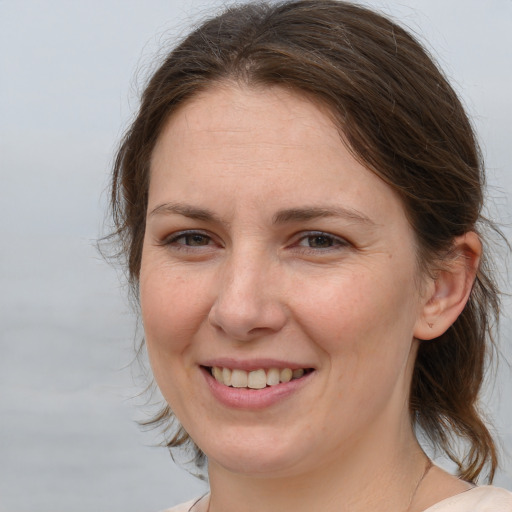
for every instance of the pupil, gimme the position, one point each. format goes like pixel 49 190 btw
pixel 320 241
pixel 196 240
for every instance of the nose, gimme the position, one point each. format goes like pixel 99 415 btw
pixel 248 303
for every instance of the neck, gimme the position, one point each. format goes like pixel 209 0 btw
pixel 379 475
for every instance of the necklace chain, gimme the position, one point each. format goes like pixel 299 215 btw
pixel 428 467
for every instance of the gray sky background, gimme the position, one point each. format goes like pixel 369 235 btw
pixel 67 90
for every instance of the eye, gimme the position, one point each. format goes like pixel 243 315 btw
pixel 320 240
pixel 196 239
pixel 189 239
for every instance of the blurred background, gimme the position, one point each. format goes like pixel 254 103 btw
pixel 70 75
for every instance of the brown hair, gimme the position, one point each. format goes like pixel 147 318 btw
pixel 402 120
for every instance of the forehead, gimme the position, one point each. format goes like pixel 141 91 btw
pixel 269 142
pixel 230 111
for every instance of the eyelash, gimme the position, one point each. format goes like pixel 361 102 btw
pixel 334 242
pixel 173 240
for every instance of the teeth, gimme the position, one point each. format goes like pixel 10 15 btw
pixel 285 375
pixel 256 379
pixel 217 373
pixel 239 379
pixel 226 376
pixel 273 377
pixel 297 374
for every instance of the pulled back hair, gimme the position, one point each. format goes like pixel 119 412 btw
pixel 400 117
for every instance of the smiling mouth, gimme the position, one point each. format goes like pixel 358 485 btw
pixel 256 379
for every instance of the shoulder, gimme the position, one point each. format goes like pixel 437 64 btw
pixel 182 507
pixel 195 505
pixel 478 499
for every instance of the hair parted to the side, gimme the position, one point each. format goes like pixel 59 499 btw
pixel 402 120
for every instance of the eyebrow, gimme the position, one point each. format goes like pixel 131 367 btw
pixel 311 213
pixel 281 217
pixel 186 210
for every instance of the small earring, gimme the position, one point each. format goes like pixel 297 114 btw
pixel 430 325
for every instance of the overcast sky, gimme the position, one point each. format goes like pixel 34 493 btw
pixel 68 86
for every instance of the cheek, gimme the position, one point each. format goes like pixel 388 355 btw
pixel 360 317
pixel 364 332
pixel 171 311
pixel 170 318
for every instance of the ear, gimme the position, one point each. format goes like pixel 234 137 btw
pixel 448 293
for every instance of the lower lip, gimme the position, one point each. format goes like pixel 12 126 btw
pixel 243 398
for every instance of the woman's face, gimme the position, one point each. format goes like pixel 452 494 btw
pixel 270 250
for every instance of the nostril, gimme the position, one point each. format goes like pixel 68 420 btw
pixel 247 321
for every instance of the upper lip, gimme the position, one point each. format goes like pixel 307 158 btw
pixel 252 364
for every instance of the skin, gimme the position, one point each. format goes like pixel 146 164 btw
pixel 231 270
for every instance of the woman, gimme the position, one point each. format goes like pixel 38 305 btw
pixel 299 202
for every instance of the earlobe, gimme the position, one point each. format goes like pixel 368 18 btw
pixel 448 293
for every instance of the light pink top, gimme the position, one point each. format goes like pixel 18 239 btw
pixel 478 499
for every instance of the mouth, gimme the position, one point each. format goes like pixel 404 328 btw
pixel 255 379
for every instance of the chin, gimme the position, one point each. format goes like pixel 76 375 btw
pixel 257 455
pixel 255 465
